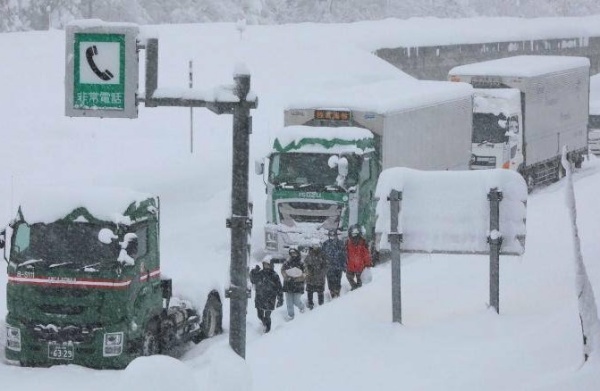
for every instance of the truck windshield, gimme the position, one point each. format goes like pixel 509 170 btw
pixel 489 128
pixel 310 169
pixel 61 243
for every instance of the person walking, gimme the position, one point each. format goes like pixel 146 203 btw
pixel 335 254
pixel 269 291
pixel 358 256
pixel 294 277
pixel 316 269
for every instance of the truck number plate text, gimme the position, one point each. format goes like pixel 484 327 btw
pixel 61 352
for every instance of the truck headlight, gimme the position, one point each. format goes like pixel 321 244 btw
pixel 113 344
pixel 13 338
pixel 271 240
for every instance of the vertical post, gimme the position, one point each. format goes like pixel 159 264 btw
pixel 191 74
pixel 240 222
pixel 151 70
pixel 395 239
pixel 495 241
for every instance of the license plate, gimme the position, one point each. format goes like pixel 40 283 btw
pixel 64 351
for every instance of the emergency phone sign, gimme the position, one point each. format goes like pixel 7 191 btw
pixel 101 70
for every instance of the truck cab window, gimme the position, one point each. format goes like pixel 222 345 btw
pixel 22 238
pixel 142 241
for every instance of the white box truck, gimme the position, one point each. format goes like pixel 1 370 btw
pixel 526 108
pixel 323 166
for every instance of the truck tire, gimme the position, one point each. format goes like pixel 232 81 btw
pixel 530 180
pixel 150 344
pixel 212 317
pixel 560 172
pixel 168 337
pixel 578 160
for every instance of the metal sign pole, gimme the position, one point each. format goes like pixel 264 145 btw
pixel 495 241
pixel 395 239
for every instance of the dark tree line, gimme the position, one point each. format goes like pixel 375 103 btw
pixel 22 15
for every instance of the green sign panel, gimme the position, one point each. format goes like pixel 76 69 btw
pixel 101 66
pixel 99 71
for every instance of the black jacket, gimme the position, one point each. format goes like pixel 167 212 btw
pixel 268 288
pixel 293 284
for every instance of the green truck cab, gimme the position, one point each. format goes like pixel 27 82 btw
pixel 85 286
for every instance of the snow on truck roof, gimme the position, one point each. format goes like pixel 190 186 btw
pixel 49 204
pixel 385 96
pixel 524 66
pixel 344 139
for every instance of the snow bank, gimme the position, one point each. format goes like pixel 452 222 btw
pixel 157 373
pixel 524 66
pixel 448 211
pixel 228 372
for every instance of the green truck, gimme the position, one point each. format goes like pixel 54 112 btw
pixel 85 285
pixel 324 164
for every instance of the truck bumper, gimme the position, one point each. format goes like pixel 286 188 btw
pixel 90 349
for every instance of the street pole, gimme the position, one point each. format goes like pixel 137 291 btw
pixel 240 222
pixel 395 238
pixel 191 77
pixel 495 241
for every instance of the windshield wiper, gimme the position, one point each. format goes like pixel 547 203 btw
pixel 55 265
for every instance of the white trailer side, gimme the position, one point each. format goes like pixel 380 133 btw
pixel 422 124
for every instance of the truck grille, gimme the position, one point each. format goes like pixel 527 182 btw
pixel 78 334
pixel 327 214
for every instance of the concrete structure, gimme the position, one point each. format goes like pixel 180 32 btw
pixel 434 62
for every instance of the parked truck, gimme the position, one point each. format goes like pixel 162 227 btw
pixel 324 164
pixel 85 284
pixel 526 108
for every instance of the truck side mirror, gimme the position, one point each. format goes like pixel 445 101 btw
pixel 259 167
pixel 3 243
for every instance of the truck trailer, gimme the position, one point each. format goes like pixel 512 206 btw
pixel 526 108
pixel 85 284
pixel 324 163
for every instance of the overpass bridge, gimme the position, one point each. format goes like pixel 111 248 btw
pixel 434 62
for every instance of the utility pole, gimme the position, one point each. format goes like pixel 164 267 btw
pixel 239 221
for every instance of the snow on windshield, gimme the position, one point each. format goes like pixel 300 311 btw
pixel 48 204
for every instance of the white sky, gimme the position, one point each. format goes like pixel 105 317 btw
pixel 449 340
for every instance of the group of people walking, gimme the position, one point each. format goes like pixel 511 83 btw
pixel 324 262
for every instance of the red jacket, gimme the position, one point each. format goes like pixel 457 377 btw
pixel 358 255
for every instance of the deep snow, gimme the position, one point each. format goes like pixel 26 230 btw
pixel 450 340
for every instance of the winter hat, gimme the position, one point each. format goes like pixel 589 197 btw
pixel 266 260
pixel 293 251
pixel 315 243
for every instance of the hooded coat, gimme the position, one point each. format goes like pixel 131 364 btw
pixel 293 284
pixel 358 254
pixel 335 253
pixel 316 267
pixel 268 288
